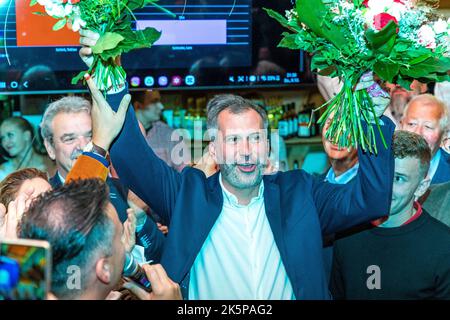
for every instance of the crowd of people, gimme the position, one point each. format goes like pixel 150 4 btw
pixel 232 226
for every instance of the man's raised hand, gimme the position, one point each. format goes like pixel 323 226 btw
pixel 106 124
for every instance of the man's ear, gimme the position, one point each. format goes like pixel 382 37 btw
pixel 212 150
pixel 103 270
pixel 50 149
pixel 422 188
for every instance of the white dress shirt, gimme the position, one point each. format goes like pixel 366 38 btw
pixel 343 178
pixel 239 259
pixel 434 164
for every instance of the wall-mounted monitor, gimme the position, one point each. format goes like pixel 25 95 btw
pixel 210 44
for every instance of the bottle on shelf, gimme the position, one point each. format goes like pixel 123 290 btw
pixel 177 118
pixel 290 116
pixel 295 120
pixel 189 118
pixel 313 123
pixel 303 125
pixel 200 118
pixel 283 124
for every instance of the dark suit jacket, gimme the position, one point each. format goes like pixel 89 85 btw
pixel 149 237
pixel 437 202
pixel 443 170
pixel 298 206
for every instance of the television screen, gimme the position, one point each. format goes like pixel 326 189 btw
pixel 210 44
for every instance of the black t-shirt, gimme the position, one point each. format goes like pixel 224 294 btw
pixel 407 262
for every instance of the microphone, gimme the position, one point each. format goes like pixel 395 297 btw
pixel 134 271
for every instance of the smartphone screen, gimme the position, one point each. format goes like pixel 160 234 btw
pixel 25 269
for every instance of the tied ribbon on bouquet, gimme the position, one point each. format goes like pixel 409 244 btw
pixel 112 19
pixel 398 40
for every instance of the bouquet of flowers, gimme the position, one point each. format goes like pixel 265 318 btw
pixel 112 19
pixel 399 40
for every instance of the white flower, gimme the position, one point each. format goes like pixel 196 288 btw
pixel 440 26
pixel 68 9
pixel 55 10
pixel 397 10
pixel 335 10
pixel 347 5
pixel 379 6
pixel 45 3
pixel 291 14
pixel 77 23
pixel 427 37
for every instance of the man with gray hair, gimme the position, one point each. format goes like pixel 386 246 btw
pixel 428 116
pixel 66 128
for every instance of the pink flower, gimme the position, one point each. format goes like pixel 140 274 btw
pixel 365 3
pixel 382 19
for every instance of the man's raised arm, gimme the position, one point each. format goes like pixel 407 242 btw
pixel 115 128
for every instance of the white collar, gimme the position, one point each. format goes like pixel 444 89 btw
pixel 434 163
pixel 231 198
pixel 343 178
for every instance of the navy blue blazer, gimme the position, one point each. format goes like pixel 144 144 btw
pixel 443 170
pixel 148 237
pixel 299 207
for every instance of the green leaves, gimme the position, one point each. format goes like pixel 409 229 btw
pixel 139 39
pixel 107 41
pixel 138 4
pixel 426 68
pixel 383 40
pixel 342 46
pixel 289 41
pixel 135 4
pixel 282 20
pixel 131 40
pixel 78 77
pixel 60 24
pixel 386 70
pixel 313 13
pixel 420 58
pixel 33 2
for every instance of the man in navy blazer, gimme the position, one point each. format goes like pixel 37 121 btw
pixel 428 116
pixel 66 129
pixel 442 174
pixel 275 251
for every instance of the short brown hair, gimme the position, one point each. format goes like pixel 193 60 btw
pixel 408 144
pixel 12 183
